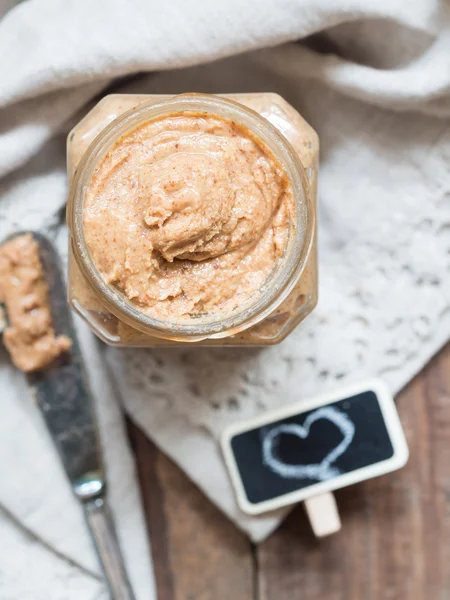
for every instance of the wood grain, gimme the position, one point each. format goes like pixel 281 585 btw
pixel 197 552
pixel 395 535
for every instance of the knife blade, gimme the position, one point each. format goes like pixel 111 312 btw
pixel 63 395
pixel 62 391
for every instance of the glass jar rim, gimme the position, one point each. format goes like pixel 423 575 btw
pixel 279 284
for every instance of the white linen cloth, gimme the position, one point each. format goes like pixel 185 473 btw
pixel 374 81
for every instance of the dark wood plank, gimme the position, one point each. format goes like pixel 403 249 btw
pixel 395 541
pixel 198 554
pixel 153 502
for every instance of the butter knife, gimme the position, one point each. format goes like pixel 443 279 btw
pixel 63 396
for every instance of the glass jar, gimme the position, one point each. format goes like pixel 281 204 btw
pixel 291 293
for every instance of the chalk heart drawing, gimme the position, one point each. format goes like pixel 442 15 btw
pixel 321 471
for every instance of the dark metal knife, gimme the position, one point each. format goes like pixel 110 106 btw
pixel 63 395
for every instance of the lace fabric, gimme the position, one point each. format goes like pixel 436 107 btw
pixel 384 295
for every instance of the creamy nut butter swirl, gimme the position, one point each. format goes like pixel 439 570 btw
pixel 188 214
pixel 29 336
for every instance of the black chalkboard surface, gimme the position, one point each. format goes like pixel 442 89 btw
pixel 313 447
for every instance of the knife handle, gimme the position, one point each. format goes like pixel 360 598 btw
pixel 103 533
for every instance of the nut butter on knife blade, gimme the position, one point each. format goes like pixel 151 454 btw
pixel 40 337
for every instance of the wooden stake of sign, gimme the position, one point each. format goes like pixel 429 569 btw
pixel 323 514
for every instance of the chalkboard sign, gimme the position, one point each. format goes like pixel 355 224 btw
pixel 313 447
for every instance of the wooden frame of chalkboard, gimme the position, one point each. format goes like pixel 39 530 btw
pixel 397 454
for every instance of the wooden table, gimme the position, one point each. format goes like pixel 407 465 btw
pixel 395 541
